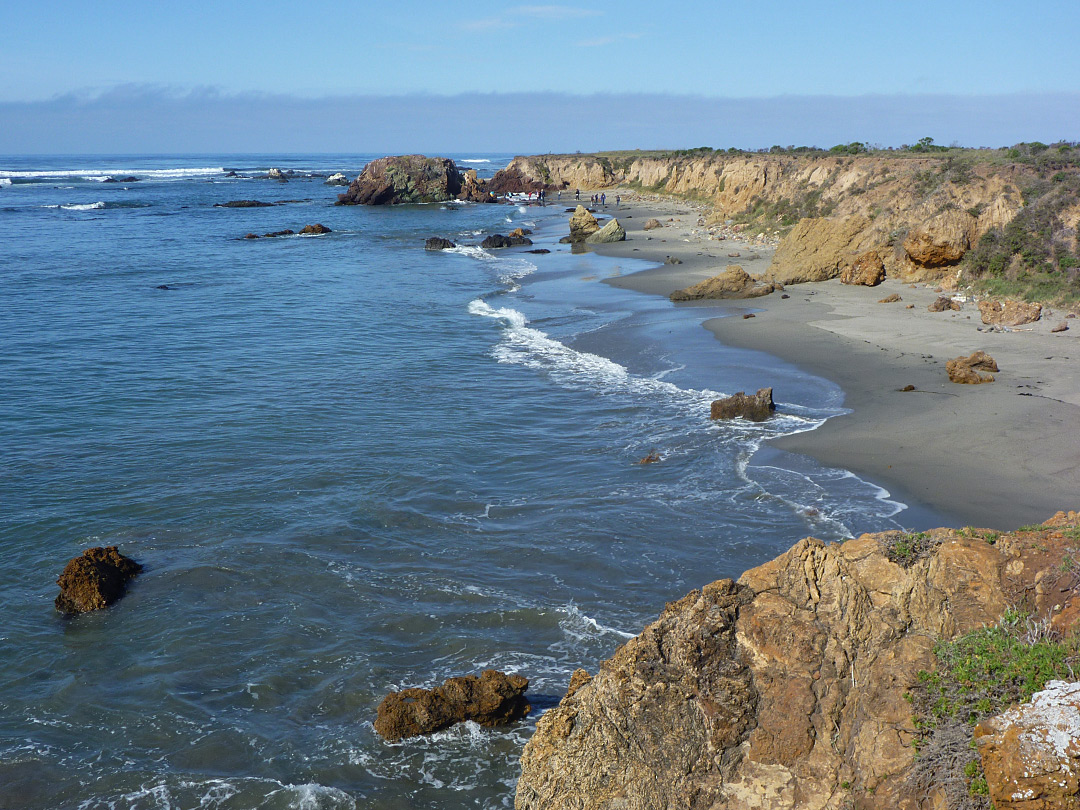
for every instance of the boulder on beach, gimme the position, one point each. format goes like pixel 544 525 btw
pixel 734 282
pixel 492 699
pixel 1009 313
pixel 868 270
pixel 497 240
pixel 966 370
pixel 337 179
pixel 314 230
pixel 891 299
pixel 94 580
pixel 944 304
pixel 582 224
pixel 611 232
pixel 817 249
pixel 404 179
pixel 672 260
pixel 438 243
pixel 756 408
pixel 652 224
pixel 244 204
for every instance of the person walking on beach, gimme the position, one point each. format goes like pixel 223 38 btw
pixel 577 193
pixel 603 199
pixel 618 200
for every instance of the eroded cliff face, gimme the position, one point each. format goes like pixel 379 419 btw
pixel 919 214
pixel 787 688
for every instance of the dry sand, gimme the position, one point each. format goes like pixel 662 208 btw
pixel 999 455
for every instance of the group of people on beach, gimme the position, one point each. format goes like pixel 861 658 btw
pixel 541 196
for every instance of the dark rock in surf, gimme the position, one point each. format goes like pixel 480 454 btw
pixel 499 241
pixel 285 232
pixel 539 251
pixel 95 580
pixel 404 179
pixel 314 230
pixel 243 204
pixel 756 408
pixel 492 699
pixel 438 243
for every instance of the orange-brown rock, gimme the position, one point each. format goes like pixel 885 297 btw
pixel 944 304
pixel 1031 753
pixel 652 224
pixel 734 282
pixel 756 408
pixel 890 299
pixel 817 249
pixel 492 699
pixel 314 230
pixel 967 370
pixel 867 270
pixel 941 241
pixel 94 580
pixel 1009 313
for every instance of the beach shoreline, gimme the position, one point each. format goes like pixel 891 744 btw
pixel 999 455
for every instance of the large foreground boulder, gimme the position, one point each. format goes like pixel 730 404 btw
pixel 734 282
pixel 404 179
pixel 611 232
pixel 756 408
pixel 789 688
pixel 1009 313
pixel 490 700
pixel 966 370
pixel 1031 752
pixel 94 580
pixel 582 224
pixel 817 249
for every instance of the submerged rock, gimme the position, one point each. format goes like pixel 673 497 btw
pixel 734 282
pixel 244 204
pixel 94 580
pixel 438 243
pixel 756 408
pixel 966 370
pixel 492 699
pixel 286 232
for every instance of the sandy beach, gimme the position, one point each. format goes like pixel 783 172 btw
pixel 999 455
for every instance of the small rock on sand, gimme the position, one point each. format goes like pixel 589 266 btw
pixel 966 370
pixel 890 299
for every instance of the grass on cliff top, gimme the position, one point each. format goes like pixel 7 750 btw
pixel 979 675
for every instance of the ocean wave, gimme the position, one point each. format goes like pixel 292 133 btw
pixel 99 175
pixel 475 160
pixel 4 181
pixel 511 269
pixel 95 206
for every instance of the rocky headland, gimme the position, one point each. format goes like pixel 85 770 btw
pixel 402 179
pixel 844 675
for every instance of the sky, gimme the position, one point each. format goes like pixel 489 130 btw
pixel 263 76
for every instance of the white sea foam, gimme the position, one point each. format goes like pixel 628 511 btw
pixel 96 206
pixel 511 269
pixel 475 160
pixel 580 626
pixel 4 181
pixel 100 174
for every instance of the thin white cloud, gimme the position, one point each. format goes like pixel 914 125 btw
pixel 555 12
pixel 599 42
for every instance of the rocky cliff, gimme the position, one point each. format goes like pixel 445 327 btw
pixel 919 214
pixel 801 684
pixel 400 179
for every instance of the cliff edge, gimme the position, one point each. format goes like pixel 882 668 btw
pixel 800 684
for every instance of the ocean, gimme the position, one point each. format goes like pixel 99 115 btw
pixel 349 466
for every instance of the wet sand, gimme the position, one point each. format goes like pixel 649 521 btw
pixel 999 455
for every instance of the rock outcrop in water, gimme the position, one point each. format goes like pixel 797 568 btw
pixel 497 240
pixel 756 408
pixel 94 580
pixel 438 243
pixel 789 688
pixel 582 225
pixel 492 699
pixel 403 179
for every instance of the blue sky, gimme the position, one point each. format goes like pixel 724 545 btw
pixel 87 57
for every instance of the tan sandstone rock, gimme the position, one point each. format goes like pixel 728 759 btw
pixel 941 241
pixel 867 270
pixel 966 369
pixel 1009 313
pixel 1031 753
pixel 734 282
pixel 582 224
pixel 817 249
pixel 611 232
pixel 652 224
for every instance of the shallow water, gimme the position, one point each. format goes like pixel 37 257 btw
pixel 349 466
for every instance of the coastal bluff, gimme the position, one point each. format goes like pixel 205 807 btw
pixel 812 681
pixel 915 216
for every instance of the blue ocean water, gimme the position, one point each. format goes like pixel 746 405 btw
pixel 349 466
